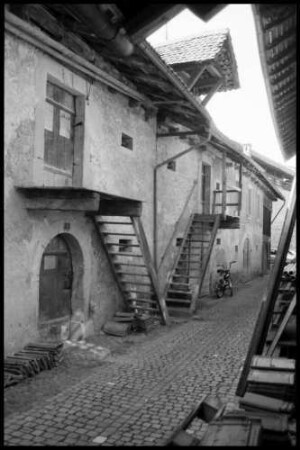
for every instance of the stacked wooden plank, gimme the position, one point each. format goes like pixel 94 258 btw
pixel 273 377
pixel 28 362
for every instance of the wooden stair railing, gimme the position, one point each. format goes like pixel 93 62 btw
pixel 207 257
pixel 132 269
pixel 186 278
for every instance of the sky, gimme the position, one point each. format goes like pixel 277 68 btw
pixel 242 114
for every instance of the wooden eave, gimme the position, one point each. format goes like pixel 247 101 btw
pixel 276 36
pixel 144 69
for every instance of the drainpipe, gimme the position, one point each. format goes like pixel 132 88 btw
pixel 95 18
pixel 207 139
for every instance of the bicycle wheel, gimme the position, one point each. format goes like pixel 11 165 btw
pixel 219 290
pixel 230 288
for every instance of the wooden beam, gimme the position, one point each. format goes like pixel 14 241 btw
pixel 178 133
pixel 214 89
pixel 120 208
pixel 224 185
pixel 193 147
pixel 139 230
pixel 196 78
pixel 282 326
pixel 170 102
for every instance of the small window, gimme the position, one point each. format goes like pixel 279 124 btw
pixel 127 141
pixel 172 165
pixel 179 242
pixel 236 248
pixel 125 245
pixel 218 241
pixel 217 186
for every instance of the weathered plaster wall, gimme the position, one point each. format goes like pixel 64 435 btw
pixel 99 298
pixel 173 188
pixel 251 227
pixel 107 167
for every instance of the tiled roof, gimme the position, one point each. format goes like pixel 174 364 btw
pixel 202 47
pixel 209 47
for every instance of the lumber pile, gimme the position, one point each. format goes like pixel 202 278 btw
pixel 28 362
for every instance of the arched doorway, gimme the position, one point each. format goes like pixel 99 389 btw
pixel 56 276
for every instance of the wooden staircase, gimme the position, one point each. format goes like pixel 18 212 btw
pixel 125 244
pixel 187 277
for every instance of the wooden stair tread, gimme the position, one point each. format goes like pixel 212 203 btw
pixel 193 261
pixel 136 283
pixel 125 254
pixel 143 300
pixel 178 291
pixel 133 274
pixel 264 402
pixel 185 276
pixel 117 234
pixel 120 244
pixel 138 291
pixel 269 362
pixel 113 223
pixel 178 300
pixel 271 377
pixel 146 308
pixel 120 263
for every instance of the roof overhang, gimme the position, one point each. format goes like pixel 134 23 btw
pixel 235 151
pixel 276 36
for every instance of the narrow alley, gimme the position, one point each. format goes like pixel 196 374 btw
pixel 138 397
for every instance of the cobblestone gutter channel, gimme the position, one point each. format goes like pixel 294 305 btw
pixel 140 397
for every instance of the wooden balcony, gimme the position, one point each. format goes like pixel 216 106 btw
pixel 229 206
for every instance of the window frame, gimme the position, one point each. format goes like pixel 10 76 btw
pixel 76 172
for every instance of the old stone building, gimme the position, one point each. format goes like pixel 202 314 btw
pixel 113 167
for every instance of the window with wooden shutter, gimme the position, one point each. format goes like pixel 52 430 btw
pixel 59 128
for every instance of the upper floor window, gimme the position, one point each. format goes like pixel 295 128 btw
pixel 59 127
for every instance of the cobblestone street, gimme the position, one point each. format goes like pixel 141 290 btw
pixel 139 396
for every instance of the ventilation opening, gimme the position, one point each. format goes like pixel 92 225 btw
pixel 218 241
pixel 236 248
pixel 127 141
pixel 124 245
pixel 172 165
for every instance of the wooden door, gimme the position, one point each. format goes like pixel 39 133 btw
pixel 206 179
pixel 246 255
pixel 55 281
